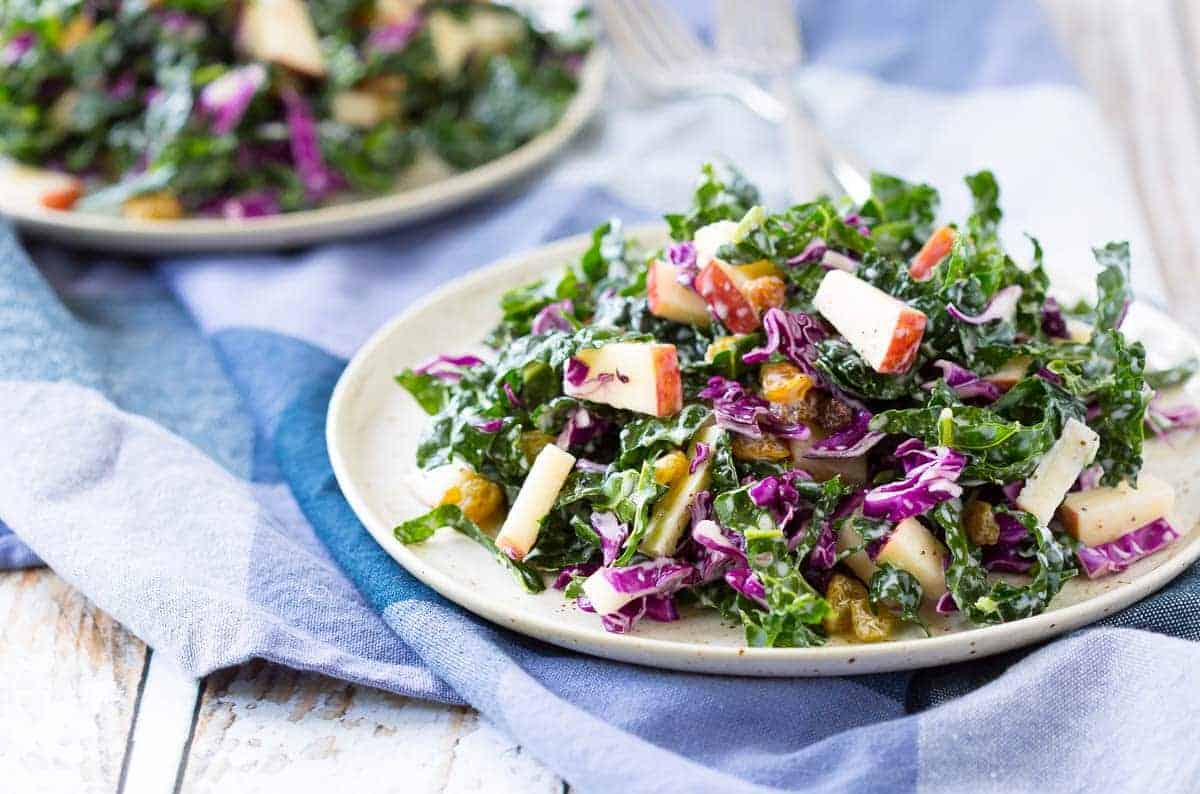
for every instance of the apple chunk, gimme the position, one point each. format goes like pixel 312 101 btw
pixel 936 248
pixel 282 32
pixel 671 300
pixel 636 376
pixel 724 289
pixel 884 330
pixel 36 186
pixel 1101 515
pixel 910 547
pixel 1011 373
pixel 671 514
pixel 537 495
pixel 1058 470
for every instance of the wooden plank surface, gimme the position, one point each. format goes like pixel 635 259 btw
pixel 70 681
pixel 264 728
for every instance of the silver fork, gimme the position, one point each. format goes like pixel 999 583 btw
pixel 763 38
pixel 666 57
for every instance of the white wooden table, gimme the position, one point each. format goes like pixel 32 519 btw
pixel 85 706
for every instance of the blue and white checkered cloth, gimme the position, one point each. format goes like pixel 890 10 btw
pixel 162 447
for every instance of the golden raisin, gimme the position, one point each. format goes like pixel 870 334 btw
pixel 782 383
pixel 980 523
pixel 532 442
pixel 720 345
pixel 766 292
pixel 870 626
pixel 161 206
pixel 842 590
pixel 670 467
pixel 763 267
pixel 479 498
pixel 765 448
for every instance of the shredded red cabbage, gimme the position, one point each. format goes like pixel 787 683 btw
pixel 1114 557
pixel 744 581
pixel 661 576
pixel 851 441
pixel 1002 307
pixel 581 427
pixel 439 366
pixel 965 383
pixel 1165 419
pixel 813 252
pixel 576 372
pixel 741 412
pixel 1089 478
pixel 683 257
pixel 318 180
pixel 930 477
pixel 1053 323
pixel 856 220
pixel 256 204
pixel 225 99
pixel 568 573
pixel 552 318
pixel 490 426
pixel 17 46
pixel 612 535
pixel 513 399
pixel 394 37
pixel 702 452
pixel 945 604
pixel 791 334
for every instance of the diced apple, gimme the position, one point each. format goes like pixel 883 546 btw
pixel 1011 373
pixel 709 239
pixel 1079 331
pixel 362 109
pixel 936 248
pixel 35 186
pixel 849 469
pixel 1058 470
pixel 724 289
pixel 884 330
pixel 670 299
pixel 534 501
pixel 910 547
pixel 1101 515
pixel 484 31
pixel 671 515
pixel 282 32
pixel 636 376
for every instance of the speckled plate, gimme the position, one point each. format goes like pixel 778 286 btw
pixel 425 194
pixel 372 432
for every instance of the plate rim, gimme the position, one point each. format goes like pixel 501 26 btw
pixel 905 654
pixel 336 221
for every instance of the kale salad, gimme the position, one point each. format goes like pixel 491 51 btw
pixel 828 421
pixel 178 108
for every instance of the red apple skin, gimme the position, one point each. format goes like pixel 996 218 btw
pixel 936 248
pixel 669 383
pixel 906 340
pixel 671 300
pixel 721 289
pixel 62 198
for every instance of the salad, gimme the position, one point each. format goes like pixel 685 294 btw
pixel 175 108
pixel 831 420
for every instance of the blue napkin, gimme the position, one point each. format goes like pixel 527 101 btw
pixel 162 447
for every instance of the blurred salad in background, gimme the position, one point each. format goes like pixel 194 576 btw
pixel 173 108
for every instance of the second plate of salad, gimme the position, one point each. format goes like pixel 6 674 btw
pixel 271 123
pixel 819 440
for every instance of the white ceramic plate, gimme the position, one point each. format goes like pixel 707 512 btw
pixel 372 432
pixel 114 233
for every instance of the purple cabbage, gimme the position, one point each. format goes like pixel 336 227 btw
pixel 1012 552
pixel 1114 557
pixel 855 220
pixel 1054 325
pixel 255 204
pixel 813 252
pixel 393 37
pixel 581 427
pixel 661 608
pixel 612 535
pixel 124 87
pixel 16 47
pixel 490 426
pixel 965 383
pixel 930 477
pixel 1001 307
pixel 317 179
pixel 1012 490
pixel 440 366
pixel 683 257
pixel 576 372
pixel 708 534
pixel 851 441
pixel 945 604
pixel 661 576
pixel 553 318
pixel 702 453
pixel 791 334
pixel 225 99
pixel 1166 419
pixel 513 399
pixel 779 494
pixel 748 414
pixel 568 573
pixel 744 581
pixel 1089 478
